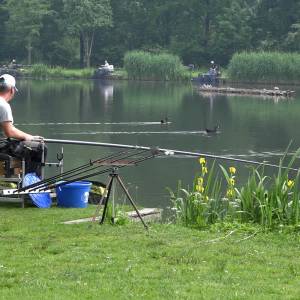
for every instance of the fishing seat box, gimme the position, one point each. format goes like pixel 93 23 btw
pixel 11 171
pixel 10 166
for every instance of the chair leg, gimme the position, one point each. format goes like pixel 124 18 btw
pixel 21 182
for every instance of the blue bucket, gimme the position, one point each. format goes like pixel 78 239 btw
pixel 74 194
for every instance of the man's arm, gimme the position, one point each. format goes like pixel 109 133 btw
pixel 12 132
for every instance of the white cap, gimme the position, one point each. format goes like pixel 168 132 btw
pixel 212 62
pixel 8 80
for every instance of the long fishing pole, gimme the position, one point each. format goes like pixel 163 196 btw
pixel 80 170
pixel 72 171
pixel 166 152
pixel 68 180
pixel 133 162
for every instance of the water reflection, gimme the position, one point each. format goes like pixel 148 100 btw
pixel 106 90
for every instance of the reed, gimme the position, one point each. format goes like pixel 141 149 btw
pixel 265 66
pixel 142 65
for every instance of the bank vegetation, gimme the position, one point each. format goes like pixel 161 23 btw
pixel 265 67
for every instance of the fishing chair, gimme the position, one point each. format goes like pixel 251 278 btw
pixel 12 170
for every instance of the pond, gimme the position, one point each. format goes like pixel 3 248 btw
pixel 252 128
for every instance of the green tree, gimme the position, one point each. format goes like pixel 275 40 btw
pixel 231 31
pixel 3 19
pixel 272 21
pixel 83 18
pixel 56 45
pixel 25 22
pixel 292 40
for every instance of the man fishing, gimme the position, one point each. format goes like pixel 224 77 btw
pixel 14 141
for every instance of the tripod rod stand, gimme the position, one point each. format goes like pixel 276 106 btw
pixel 114 175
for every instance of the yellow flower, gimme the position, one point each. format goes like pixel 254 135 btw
pixel 202 160
pixel 199 188
pixel 290 183
pixel 200 180
pixel 231 181
pixel 232 170
pixel 204 170
pixel 230 193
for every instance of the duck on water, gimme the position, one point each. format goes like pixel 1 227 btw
pixel 213 130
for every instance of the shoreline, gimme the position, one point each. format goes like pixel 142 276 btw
pixel 120 75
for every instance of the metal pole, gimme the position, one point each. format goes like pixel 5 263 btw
pixel 166 151
pixel 43 162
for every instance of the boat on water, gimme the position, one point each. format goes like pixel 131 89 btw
pixel 104 70
pixel 212 77
pixel 208 79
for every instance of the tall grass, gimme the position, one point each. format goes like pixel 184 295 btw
pixel 265 66
pixel 44 71
pixel 268 201
pixel 146 66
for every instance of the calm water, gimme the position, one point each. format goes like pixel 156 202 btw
pixel 252 128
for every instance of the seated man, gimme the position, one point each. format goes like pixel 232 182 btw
pixel 212 72
pixel 14 141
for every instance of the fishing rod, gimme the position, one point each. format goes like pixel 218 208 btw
pixel 80 169
pixel 49 182
pixel 72 172
pixel 133 162
pixel 166 152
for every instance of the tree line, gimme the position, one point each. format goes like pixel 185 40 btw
pixel 84 33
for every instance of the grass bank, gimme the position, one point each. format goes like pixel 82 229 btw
pixel 40 258
pixel 271 67
pixel 138 65
pixel 44 71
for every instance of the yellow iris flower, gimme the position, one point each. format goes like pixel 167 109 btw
pixel 204 170
pixel 199 188
pixel 200 180
pixel 202 160
pixel 232 170
pixel 290 183
pixel 230 193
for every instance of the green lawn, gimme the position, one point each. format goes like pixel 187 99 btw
pixel 40 258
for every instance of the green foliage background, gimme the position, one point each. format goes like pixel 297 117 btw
pixel 195 30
